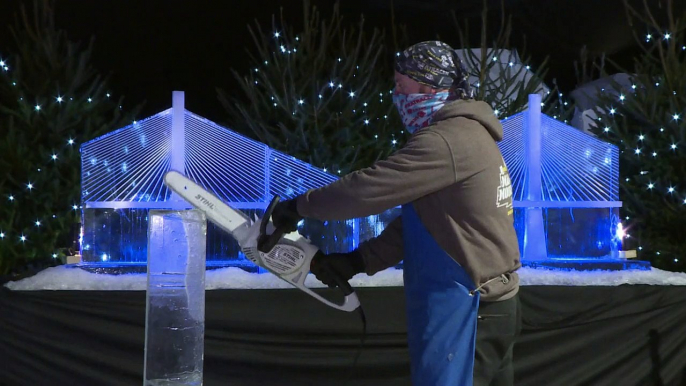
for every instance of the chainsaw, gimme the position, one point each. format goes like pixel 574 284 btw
pixel 286 255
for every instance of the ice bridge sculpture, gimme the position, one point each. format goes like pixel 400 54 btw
pixel 565 192
pixel 122 178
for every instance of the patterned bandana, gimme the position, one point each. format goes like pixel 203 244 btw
pixel 416 109
pixel 435 64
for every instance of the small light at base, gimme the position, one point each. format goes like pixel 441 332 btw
pixel 620 231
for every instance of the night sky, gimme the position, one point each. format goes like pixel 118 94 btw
pixel 154 47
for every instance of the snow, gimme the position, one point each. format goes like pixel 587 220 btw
pixel 69 278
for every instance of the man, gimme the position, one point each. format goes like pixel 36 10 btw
pixel 455 233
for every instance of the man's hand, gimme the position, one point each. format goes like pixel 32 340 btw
pixel 344 265
pixel 285 215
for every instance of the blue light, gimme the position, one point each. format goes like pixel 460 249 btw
pixel 578 172
pixel 569 158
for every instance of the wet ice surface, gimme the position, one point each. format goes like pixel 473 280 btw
pixel 67 278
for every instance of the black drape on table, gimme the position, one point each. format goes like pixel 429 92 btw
pixel 625 335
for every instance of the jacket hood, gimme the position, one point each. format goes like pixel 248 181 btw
pixel 479 111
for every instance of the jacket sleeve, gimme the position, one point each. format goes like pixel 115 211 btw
pixel 384 251
pixel 425 165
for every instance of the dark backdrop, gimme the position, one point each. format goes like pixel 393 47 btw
pixel 152 47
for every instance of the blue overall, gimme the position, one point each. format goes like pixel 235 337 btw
pixel 441 312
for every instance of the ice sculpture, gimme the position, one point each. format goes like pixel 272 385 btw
pixel 565 191
pixel 122 179
pixel 175 298
pixel 565 183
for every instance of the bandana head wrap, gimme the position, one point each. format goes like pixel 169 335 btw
pixel 435 64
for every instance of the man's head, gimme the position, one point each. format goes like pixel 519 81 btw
pixel 431 67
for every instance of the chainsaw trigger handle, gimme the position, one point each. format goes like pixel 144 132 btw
pixel 265 242
pixel 340 282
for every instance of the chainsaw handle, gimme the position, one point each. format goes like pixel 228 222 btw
pixel 340 282
pixel 265 242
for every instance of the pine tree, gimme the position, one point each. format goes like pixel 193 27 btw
pixel 51 99
pixel 322 95
pixel 647 123
pixel 503 75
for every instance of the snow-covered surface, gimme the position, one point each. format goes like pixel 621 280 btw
pixel 64 278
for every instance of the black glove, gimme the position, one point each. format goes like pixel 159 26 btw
pixel 285 216
pixel 343 265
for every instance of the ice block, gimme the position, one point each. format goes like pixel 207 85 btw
pixel 175 301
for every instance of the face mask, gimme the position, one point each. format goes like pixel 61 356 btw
pixel 416 109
